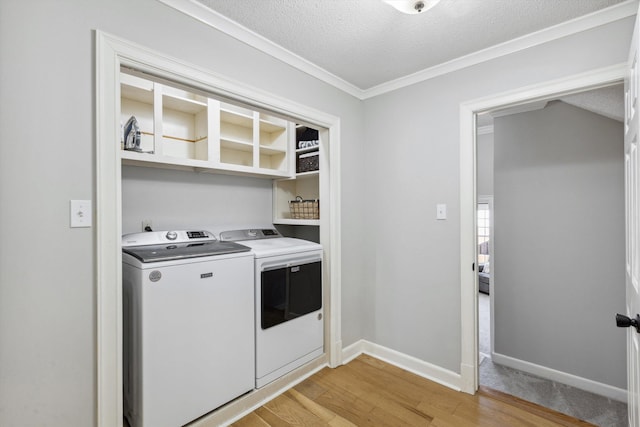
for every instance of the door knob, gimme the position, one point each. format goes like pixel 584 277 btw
pixel 623 321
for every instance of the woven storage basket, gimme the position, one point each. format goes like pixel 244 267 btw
pixel 304 209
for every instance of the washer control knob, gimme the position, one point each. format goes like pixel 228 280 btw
pixel 172 235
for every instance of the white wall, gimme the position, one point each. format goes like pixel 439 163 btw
pixel 558 272
pixel 47 140
pixel 413 158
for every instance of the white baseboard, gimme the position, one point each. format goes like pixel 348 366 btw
pixel 561 377
pixel 409 363
pixel 335 359
pixel 352 351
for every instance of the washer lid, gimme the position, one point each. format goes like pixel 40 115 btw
pixel 175 251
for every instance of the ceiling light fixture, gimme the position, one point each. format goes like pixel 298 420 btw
pixel 412 6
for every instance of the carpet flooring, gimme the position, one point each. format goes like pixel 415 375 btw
pixel 598 410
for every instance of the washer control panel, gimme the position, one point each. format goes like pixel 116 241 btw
pixel 160 237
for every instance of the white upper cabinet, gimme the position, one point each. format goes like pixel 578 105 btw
pixel 273 142
pixel 178 128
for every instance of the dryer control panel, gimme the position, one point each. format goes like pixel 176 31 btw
pixel 249 234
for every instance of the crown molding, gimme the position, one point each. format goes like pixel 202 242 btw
pixel 221 23
pixel 582 23
pixel 209 17
pixel 484 130
pixel 524 108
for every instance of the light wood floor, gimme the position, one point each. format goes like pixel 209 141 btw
pixel 369 392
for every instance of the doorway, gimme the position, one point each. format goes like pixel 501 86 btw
pixel 542 196
pixel 468 199
pixel 484 232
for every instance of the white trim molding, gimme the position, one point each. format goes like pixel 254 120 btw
pixel 485 130
pixel 408 363
pixel 468 110
pixel 523 108
pixel 595 387
pixel 220 22
pixel 582 23
pixel 108 251
pixel 209 17
pixel 112 53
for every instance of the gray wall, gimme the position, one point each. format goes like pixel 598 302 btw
pixel 47 140
pixel 402 292
pixel 182 199
pixel 484 166
pixel 412 135
pixel 559 241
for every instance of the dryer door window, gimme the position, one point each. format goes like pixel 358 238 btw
pixel 305 290
pixel 290 292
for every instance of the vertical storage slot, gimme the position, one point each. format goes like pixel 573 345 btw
pixel 136 99
pixel 185 131
pixel 273 143
pixel 236 135
pixel 305 184
pixel 307 154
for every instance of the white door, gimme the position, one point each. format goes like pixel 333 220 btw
pixel 632 128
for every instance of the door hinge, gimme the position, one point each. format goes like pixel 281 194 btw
pixel 473 267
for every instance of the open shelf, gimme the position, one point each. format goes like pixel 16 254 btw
pixel 182 127
pixel 287 189
pixel 281 221
pixel 136 100
pixel 304 184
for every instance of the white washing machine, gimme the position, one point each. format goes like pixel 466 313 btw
pixel 289 329
pixel 188 325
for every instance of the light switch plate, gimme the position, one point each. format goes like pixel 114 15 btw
pixel 441 211
pixel 80 213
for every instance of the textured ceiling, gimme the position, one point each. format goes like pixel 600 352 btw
pixel 367 42
pixel 607 101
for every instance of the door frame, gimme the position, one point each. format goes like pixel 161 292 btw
pixel 111 53
pixel 593 79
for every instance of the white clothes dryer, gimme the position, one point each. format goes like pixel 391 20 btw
pixel 289 325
